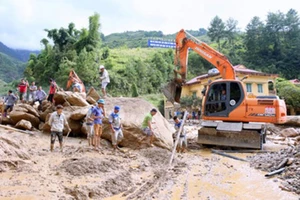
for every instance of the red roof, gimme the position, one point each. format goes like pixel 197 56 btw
pixel 238 68
pixel 295 81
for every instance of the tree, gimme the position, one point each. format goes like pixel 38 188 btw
pixel 134 90
pixel 73 49
pixel 216 31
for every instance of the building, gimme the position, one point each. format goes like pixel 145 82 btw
pixel 295 81
pixel 257 83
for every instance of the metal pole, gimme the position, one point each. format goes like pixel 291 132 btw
pixel 177 138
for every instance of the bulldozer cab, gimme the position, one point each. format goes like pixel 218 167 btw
pixel 222 97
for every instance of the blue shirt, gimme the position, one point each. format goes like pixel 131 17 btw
pixel 98 112
pixel 177 126
pixel 115 120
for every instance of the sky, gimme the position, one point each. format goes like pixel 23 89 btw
pixel 22 22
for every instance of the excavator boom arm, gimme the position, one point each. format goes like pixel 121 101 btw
pixel 214 57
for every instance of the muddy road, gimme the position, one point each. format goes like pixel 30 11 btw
pixel 81 172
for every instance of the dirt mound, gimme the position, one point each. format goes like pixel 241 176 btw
pixel 84 166
pixel 288 158
pixel 156 156
pixel 12 153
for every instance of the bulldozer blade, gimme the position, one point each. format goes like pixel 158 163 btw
pixel 251 139
pixel 172 91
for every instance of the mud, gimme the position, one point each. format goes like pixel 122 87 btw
pixel 81 172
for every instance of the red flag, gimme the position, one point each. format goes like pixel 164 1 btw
pixel 73 78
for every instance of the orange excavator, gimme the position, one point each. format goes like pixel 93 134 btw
pixel 229 117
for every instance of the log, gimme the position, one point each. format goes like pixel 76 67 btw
pixel 282 164
pixel 15 129
pixel 227 155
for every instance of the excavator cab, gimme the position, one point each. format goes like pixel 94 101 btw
pixel 222 97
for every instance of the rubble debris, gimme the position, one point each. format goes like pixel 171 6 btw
pixel 288 158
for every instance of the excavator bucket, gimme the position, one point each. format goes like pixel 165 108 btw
pixel 250 136
pixel 172 91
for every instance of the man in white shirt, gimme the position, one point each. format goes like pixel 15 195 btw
pixel 104 77
pixel 57 122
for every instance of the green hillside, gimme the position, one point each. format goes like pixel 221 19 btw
pixel 19 54
pixel 135 39
pixel 10 68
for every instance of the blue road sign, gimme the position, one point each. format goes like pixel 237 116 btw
pixel 161 44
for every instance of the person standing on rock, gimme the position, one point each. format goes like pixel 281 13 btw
pixel 9 101
pixel 182 143
pixel 104 77
pixel 98 114
pixel 57 122
pixel 40 96
pixel 147 127
pixel 32 91
pixel 116 127
pixel 22 90
pixel 90 126
pixel 52 90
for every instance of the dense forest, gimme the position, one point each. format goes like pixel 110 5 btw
pixel 270 46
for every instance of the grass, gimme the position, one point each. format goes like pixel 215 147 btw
pixel 154 99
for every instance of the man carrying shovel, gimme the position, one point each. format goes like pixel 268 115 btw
pixel 57 122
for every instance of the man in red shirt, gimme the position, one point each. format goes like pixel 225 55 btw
pixel 23 89
pixel 52 90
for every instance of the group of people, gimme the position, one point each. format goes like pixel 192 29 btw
pixel 94 125
pixel 36 94
pixel 94 117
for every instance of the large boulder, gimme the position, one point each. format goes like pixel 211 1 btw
pixel 6 120
pixel 17 116
pixel 74 125
pixel 133 111
pixel 80 113
pixel 289 132
pixel 24 124
pixel 90 100
pixel 93 93
pixel 29 109
pixel 61 96
pixel 293 120
pixel 47 111
pixel 76 99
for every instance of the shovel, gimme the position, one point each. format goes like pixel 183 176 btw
pixel 67 135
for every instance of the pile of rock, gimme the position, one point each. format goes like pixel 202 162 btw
pixel 76 106
pixel 289 159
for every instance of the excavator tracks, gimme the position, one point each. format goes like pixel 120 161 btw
pixel 230 134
